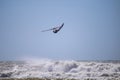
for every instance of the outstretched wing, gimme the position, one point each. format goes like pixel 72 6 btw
pixel 46 30
pixel 61 26
pixel 55 29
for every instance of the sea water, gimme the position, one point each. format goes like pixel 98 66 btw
pixel 63 69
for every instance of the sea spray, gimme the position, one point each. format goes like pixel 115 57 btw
pixel 45 68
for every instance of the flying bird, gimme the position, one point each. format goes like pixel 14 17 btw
pixel 55 29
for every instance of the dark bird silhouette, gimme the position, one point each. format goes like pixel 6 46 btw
pixel 55 29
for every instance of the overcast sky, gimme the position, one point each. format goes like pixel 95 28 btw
pixel 91 29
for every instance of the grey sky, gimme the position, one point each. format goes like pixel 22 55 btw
pixel 91 30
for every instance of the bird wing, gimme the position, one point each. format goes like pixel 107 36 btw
pixel 55 28
pixel 46 30
pixel 61 26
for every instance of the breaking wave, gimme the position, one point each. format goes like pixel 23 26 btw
pixel 60 69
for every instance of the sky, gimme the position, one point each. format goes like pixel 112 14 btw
pixel 91 29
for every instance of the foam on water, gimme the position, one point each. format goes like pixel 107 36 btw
pixel 45 68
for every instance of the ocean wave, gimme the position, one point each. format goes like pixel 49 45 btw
pixel 59 69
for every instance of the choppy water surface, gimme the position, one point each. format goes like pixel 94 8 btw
pixel 99 70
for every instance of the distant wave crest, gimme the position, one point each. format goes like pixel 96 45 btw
pixel 59 69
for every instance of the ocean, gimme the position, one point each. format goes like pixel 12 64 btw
pixel 60 69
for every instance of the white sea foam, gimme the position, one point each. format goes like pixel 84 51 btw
pixel 46 68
